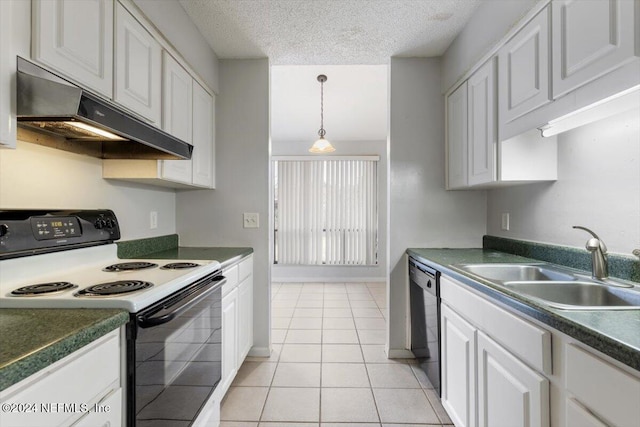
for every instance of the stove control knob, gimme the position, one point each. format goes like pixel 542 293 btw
pixel 110 223
pixel 99 223
pixel 4 229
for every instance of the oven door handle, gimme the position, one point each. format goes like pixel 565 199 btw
pixel 174 307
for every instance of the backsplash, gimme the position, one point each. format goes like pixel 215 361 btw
pixel 141 247
pixel 620 266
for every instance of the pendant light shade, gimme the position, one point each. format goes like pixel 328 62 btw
pixel 322 145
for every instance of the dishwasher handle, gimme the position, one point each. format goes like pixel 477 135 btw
pixel 425 269
pixel 424 276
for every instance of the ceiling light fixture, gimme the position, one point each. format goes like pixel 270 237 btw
pixel 322 146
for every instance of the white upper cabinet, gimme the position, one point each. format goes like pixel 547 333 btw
pixel 482 151
pixel 177 115
pixel 203 137
pixel 457 138
pixel 590 39
pixel 138 67
pixel 7 69
pixel 75 37
pixel 524 70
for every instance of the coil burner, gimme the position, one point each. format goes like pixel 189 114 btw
pixel 179 265
pixel 130 266
pixel 43 289
pixel 114 288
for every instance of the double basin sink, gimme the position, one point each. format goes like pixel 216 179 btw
pixel 558 288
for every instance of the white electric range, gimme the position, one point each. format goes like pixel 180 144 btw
pixel 68 259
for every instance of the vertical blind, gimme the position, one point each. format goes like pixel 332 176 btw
pixel 326 212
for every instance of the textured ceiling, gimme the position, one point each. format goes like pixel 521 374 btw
pixel 340 32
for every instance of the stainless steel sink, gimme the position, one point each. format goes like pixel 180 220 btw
pixel 516 272
pixel 578 295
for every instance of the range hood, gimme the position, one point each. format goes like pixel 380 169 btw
pixel 49 104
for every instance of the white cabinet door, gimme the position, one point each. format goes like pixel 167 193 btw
pixel 607 391
pixel 229 339
pixel 75 37
pixel 138 67
pixel 7 70
pixel 523 70
pixel 510 394
pixel 481 156
pixel 579 416
pixel 177 115
pixel 590 39
pixel 245 318
pixel 457 138
pixel 203 137
pixel 458 368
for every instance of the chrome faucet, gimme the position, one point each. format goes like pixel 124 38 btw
pixel 595 245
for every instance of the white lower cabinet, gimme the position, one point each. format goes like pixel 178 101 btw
pixel 497 370
pixel 107 413
pixel 237 320
pixel 599 391
pixel 245 318
pixel 229 339
pixel 458 368
pixel 510 393
pixel 93 396
pixel 484 383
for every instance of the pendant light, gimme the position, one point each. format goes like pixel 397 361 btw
pixel 322 146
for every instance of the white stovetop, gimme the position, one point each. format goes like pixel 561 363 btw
pixel 83 267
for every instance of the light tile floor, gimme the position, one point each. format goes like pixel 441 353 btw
pixel 328 367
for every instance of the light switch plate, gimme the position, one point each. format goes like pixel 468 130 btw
pixel 250 220
pixel 505 221
pixel 153 220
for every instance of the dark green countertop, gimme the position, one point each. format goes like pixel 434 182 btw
pixel 225 256
pixel 168 247
pixel 32 339
pixel 615 333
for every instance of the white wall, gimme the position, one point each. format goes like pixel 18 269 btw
pixel 176 26
pixel 598 187
pixel 291 273
pixel 214 218
pixel 355 102
pixel 33 176
pixel 422 213
pixel 491 21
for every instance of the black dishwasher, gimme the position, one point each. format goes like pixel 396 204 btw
pixel 424 297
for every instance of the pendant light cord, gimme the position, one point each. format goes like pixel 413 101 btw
pixel 322 78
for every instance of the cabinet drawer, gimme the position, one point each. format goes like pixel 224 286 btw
pixel 529 342
pixel 106 413
pixel 606 390
pixel 231 274
pixel 245 268
pixel 82 377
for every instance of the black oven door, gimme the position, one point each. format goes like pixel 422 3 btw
pixel 174 355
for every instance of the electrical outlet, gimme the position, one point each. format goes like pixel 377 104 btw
pixel 250 220
pixel 505 221
pixel 153 220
